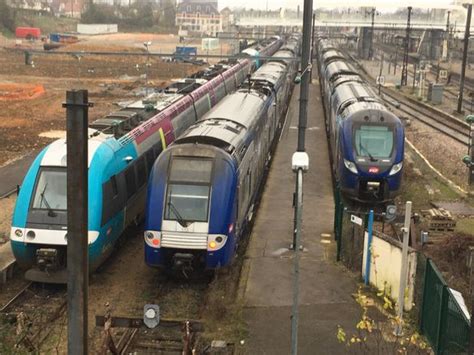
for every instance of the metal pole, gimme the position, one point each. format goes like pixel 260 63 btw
pixel 447 36
pixel 305 76
pixel 471 150
pixel 296 278
pixel 380 73
pixel 77 106
pixel 371 43
pixel 369 245
pixel 403 80
pixel 396 62
pixel 404 268
pixel 414 77
pixel 312 46
pixel 464 57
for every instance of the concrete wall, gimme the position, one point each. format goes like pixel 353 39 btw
pixel 386 266
pixel 95 29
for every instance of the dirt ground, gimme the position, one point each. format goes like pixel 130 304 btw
pixel 109 79
pixel 21 121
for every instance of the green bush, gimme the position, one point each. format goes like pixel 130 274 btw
pixel 7 16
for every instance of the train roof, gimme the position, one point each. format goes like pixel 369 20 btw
pixel 332 54
pixel 351 92
pixel 237 108
pixel 226 126
pixel 369 112
pixel 338 68
pixel 343 79
pixel 269 72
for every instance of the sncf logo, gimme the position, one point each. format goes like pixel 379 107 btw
pixel 373 170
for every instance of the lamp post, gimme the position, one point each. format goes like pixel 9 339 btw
pixel 464 57
pixel 147 46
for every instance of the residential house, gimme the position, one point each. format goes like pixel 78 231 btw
pixel 199 17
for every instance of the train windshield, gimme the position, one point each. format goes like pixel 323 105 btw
pixel 51 189
pixel 374 141
pixel 189 185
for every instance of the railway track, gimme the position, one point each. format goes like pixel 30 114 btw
pixel 446 124
pixel 34 311
pixel 438 120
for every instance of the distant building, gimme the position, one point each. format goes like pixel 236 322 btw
pixel 35 5
pixel 199 17
pixel 228 20
pixel 70 8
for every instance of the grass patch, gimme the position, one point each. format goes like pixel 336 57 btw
pixel 47 24
pixel 465 226
pixel 421 185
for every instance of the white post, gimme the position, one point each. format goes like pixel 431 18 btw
pixel 404 269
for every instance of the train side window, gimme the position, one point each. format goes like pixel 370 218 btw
pixel 157 149
pixel 150 159
pixel 141 172
pixel 130 180
pixel 113 182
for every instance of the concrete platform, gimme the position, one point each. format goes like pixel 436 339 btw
pixel 325 288
pixel 7 262
pixel 13 173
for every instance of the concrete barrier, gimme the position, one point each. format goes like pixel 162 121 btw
pixel 386 266
pixel 96 29
pixel 7 262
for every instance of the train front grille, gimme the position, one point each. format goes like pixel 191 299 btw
pixel 184 240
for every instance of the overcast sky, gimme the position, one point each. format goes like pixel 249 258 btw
pixel 275 4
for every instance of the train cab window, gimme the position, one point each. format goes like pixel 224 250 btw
pixel 374 141
pixel 189 185
pixel 51 189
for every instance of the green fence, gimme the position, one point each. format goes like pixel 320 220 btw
pixel 442 321
pixel 349 237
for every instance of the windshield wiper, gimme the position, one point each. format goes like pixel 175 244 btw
pixel 51 213
pixel 368 153
pixel 177 214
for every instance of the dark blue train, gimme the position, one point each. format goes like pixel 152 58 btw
pixel 203 188
pixel 366 139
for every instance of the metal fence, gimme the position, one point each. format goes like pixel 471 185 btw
pixel 349 236
pixel 442 320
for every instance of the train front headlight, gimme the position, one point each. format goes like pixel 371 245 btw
pixel 396 168
pixel 350 165
pixel 216 241
pixel 19 233
pixel 31 235
pixel 153 238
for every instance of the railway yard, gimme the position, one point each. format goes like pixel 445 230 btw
pixel 244 305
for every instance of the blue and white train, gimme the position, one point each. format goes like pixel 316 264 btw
pixel 122 149
pixel 366 139
pixel 204 186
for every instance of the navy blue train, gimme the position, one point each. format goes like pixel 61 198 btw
pixel 203 188
pixel 367 140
